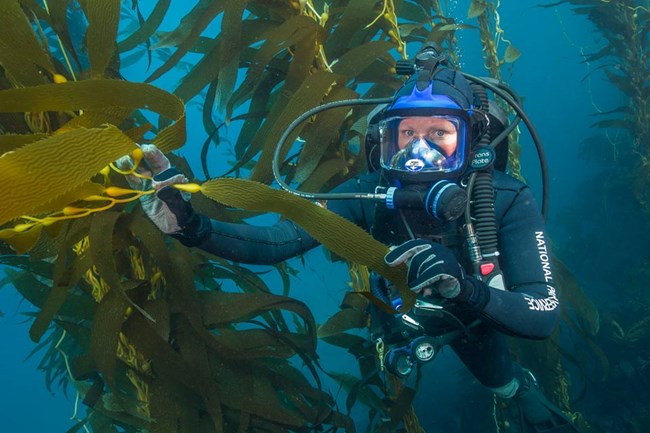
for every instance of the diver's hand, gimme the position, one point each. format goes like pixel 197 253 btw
pixel 432 268
pixel 168 208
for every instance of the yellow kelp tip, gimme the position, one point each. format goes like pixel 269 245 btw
pixel 58 79
pixel 114 191
pixel 188 187
pixel 137 156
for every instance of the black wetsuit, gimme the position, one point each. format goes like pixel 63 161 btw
pixel 528 308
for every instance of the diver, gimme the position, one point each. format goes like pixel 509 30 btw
pixel 471 236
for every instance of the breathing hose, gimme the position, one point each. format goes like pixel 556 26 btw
pixel 483 213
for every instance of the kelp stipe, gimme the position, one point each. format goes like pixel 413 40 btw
pixel 492 35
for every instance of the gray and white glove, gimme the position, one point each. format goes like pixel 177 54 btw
pixel 432 268
pixel 168 208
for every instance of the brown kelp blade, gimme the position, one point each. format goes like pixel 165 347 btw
pixel 24 58
pixel 30 178
pixel 99 95
pixel 333 231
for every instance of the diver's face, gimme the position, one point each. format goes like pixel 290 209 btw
pixel 442 132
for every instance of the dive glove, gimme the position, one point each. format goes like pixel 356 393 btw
pixel 168 208
pixel 432 268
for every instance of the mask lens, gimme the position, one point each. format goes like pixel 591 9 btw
pixel 428 144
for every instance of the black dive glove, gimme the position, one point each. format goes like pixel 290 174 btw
pixel 168 208
pixel 432 269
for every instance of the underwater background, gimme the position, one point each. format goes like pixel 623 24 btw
pixel 598 223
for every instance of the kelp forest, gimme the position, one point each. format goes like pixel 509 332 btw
pixel 153 336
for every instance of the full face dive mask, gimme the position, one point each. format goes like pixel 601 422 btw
pixel 429 145
pixel 425 164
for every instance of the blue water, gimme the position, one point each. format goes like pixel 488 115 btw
pixel 549 75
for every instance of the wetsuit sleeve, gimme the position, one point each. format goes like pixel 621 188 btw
pixel 254 244
pixel 262 245
pixel 529 307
